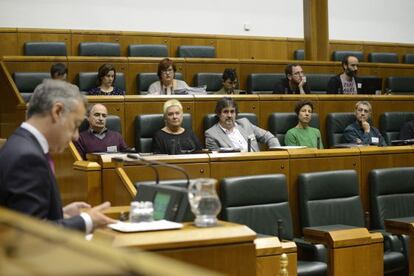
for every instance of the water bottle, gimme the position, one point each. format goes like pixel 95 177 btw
pixel 134 212
pixel 141 211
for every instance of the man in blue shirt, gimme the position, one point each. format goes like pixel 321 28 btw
pixel 361 132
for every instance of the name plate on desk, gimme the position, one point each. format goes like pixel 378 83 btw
pixel 156 225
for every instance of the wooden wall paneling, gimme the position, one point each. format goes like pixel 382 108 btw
pixel 8 42
pixel 320 67
pixel 44 35
pixel 385 70
pixel 31 64
pixel 183 39
pixel 77 65
pixel 250 163
pixel 207 104
pixel 128 38
pixel 79 36
pixel 148 65
pixel 313 160
pixel 292 45
pixel 194 66
pixel 87 176
pixel 135 105
pixel 377 158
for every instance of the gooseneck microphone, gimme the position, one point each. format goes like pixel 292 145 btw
pixel 153 164
pixel 147 164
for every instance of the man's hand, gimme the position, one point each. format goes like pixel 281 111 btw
pixel 97 217
pixel 365 126
pixel 74 208
pixel 301 84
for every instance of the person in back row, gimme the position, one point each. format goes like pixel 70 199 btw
pixel 173 138
pixel 105 82
pixel 98 138
pixel 58 71
pixel 166 85
pixel 232 133
pixel 230 82
pixel 361 132
pixel 294 83
pixel 346 82
pixel 303 134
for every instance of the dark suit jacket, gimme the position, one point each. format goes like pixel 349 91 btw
pixel 27 183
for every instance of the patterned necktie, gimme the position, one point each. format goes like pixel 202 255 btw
pixel 51 163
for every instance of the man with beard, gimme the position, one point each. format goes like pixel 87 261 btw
pixel 236 134
pixel 360 131
pixel 347 82
pixel 294 83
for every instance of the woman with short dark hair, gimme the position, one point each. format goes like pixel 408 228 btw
pixel 167 84
pixel 105 82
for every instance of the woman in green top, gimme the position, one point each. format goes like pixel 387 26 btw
pixel 302 134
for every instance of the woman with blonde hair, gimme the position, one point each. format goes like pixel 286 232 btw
pixel 173 138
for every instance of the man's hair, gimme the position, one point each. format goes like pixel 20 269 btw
pixel 230 74
pixel 364 103
pixel 50 92
pixel 58 69
pixel 225 102
pixel 289 68
pixel 164 65
pixel 103 71
pixel 169 103
pixel 301 104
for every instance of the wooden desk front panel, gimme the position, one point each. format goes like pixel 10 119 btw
pixel 37 65
pixel 270 265
pixel 150 105
pixel 8 42
pixel 314 164
pixel 232 259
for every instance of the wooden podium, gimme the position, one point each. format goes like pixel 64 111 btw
pixel 403 226
pixel 351 250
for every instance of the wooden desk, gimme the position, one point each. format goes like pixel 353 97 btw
pixel 227 248
pixel 352 251
pixel 403 226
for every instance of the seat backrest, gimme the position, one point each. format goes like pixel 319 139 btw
pixel 400 85
pixel 211 119
pixel 147 50
pixel 26 82
pixel 318 82
pixel 263 83
pixel 113 122
pixel 258 202
pixel 391 194
pixel 87 80
pixel 383 57
pixel 44 48
pixel 409 58
pixel 391 123
pixel 147 125
pixel 335 126
pixel 299 54
pixel 213 81
pixel 339 55
pixel 192 51
pixel 107 49
pixel 330 197
pixel 144 80
pixel 280 122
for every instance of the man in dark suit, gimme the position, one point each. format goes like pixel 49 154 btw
pixel 27 182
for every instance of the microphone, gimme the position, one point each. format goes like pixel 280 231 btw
pixel 249 144
pixel 154 163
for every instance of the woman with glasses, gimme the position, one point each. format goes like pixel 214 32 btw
pixel 173 138
pixel 166 84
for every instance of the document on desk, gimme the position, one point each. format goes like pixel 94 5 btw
pixel 155 225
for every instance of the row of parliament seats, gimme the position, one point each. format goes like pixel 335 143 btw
pixel 278 124
pixel 377 57
pixel 257 83
pixel 323 204
pixel 114 50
